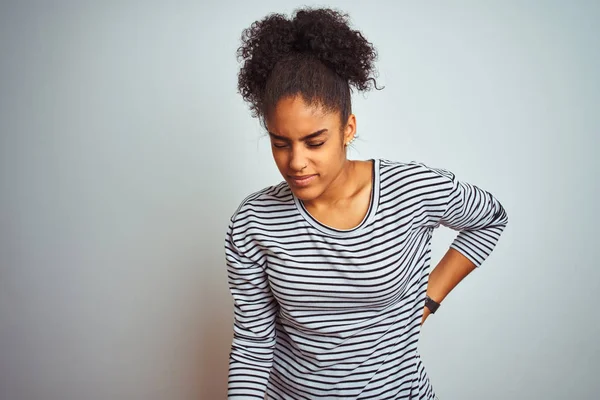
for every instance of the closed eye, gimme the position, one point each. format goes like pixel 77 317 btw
pixel 313 136
pixel 282 146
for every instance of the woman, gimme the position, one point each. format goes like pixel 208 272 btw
pixel 329 270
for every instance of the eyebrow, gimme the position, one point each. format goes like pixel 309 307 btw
pixel 307 137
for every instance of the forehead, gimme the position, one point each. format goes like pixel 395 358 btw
pixel 294 117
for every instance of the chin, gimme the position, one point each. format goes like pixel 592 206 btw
pixel 305 194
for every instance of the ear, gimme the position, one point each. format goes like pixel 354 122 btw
pixel 350 130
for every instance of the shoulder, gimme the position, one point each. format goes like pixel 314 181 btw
pixel 412 169
pixel 265 201
pixel 258 213
pixel 414 181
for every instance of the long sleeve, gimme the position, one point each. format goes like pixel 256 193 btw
pixel 475 213
pixel 255 309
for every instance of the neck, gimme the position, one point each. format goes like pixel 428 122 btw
pixel 341 188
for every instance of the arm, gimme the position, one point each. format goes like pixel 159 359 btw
pixel 452 269
pixel 480 219
pixel 255 309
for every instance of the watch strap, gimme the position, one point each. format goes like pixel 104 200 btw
pixel 431 304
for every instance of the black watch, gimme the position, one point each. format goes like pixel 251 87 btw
pixel 431 304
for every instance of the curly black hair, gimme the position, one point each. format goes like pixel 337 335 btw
pixel 314 54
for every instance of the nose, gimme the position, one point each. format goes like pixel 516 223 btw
pixel 298 159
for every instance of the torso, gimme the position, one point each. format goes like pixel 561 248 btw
pixel 349 290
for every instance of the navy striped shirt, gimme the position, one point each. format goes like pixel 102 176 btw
pixel 323 313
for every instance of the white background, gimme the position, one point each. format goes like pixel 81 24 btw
pixel 125 148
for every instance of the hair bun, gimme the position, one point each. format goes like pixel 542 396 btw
pixel 327 35
pixel 322 34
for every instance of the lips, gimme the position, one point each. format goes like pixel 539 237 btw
pixel 302 180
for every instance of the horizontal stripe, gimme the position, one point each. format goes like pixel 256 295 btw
pixel 335 314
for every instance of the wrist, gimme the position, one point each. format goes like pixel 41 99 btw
pixel 431 306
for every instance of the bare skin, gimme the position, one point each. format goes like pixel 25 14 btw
pixel 308 141
pixel 448 273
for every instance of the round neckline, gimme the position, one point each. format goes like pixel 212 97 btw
pixel 372 210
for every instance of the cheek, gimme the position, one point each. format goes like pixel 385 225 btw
pixel 334 154
pixel 280 158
